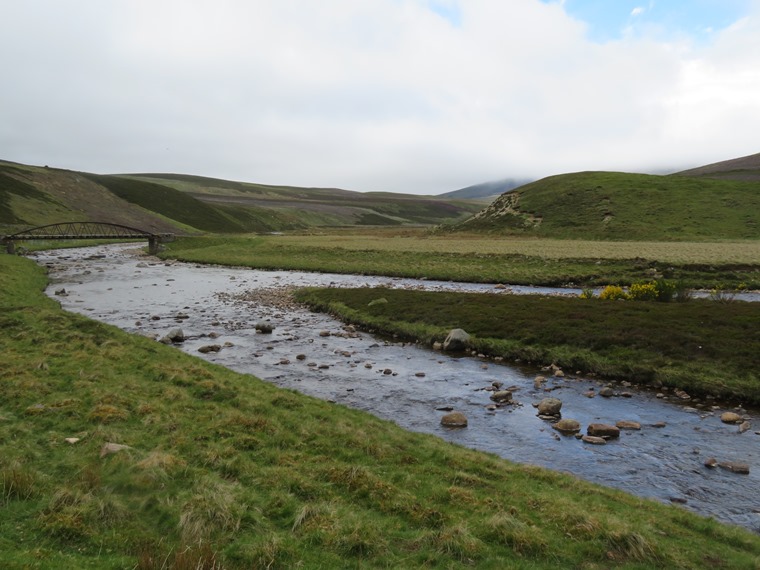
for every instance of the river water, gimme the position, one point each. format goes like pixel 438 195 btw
pixel 411 385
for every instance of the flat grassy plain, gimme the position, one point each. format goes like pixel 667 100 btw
pixel 222 470
pixel 486 259
pixel 702 346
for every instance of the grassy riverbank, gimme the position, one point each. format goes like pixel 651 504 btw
pixel 225 471
pixel 701 346
pixel 488 260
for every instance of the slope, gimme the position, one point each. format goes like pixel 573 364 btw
pixel 35 196
pixel 620 206
pixel 745 168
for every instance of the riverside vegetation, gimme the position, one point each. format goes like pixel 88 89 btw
pixel 486 259
pixel 698 346
pixel 221 470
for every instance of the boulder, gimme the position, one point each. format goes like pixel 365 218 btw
pixel 209 348
pixel 538 381
pixel 501 396
pixel 628 424
pixel 549 407
pixel 605 431
pixel 731 418
pixel 264 327
pixel 745 426
pixel 454 419
pixel 457 340
pixel 567 426
pixel 607 392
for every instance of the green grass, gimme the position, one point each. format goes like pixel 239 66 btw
pixel 459 260
pixel 226 471
pixel 704 347
pixel 621 206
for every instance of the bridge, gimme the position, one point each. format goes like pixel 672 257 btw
pixel 86 230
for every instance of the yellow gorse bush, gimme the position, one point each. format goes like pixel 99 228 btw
pixel 613 293
pixel 643 292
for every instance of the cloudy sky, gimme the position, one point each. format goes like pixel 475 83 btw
pixel 418 96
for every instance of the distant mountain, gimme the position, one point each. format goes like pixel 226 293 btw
pixel 486 189
pixel 620 206
pixel 744 168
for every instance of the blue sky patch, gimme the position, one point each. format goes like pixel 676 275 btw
pixel 613 19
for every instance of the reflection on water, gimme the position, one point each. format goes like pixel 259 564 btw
pixel 409 385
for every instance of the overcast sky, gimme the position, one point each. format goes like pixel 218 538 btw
pixel 418 96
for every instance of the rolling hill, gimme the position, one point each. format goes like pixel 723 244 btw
pixel 33 196
pixel 620 206
pixel 746 168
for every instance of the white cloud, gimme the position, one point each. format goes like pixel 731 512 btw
pixel 372 95
pixel 637 11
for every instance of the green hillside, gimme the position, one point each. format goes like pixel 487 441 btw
pixel 33 196
pixel 620 206
pixel 322 206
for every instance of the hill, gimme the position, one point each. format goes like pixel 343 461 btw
pixel 486 189
pixel 746 168
pixel 620 206
pixel 31 196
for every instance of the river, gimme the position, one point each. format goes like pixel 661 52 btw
pixel 411 385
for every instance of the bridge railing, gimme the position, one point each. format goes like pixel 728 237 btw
pixel 86 230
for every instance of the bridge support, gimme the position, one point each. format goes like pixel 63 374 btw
pixel 10 247
pixel 153 244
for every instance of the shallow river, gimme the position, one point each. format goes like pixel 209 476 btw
pixel 409 384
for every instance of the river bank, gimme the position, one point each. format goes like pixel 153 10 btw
pixel 312 353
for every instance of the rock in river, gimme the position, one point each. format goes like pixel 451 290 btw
pixel 628 424
pixel 605 431
pixel 457 340
pixel 174 336
pixel 567 426
pixel 592 439
pixel 735 467
pixel 502 396
pixel 454 419
pixel 264 327
pixel 549 407
pixel 731 418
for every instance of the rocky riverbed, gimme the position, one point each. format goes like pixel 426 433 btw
pixel 659 444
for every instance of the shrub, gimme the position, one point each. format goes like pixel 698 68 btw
pixel 587 294
pixel 643 292
pixel 665 290
pixel 613 293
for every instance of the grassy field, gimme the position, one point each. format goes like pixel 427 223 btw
pixel 622 206
pixel 488 260
pixel 702 346
pixel 222 470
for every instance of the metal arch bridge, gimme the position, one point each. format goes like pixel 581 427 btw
pixel 86 230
